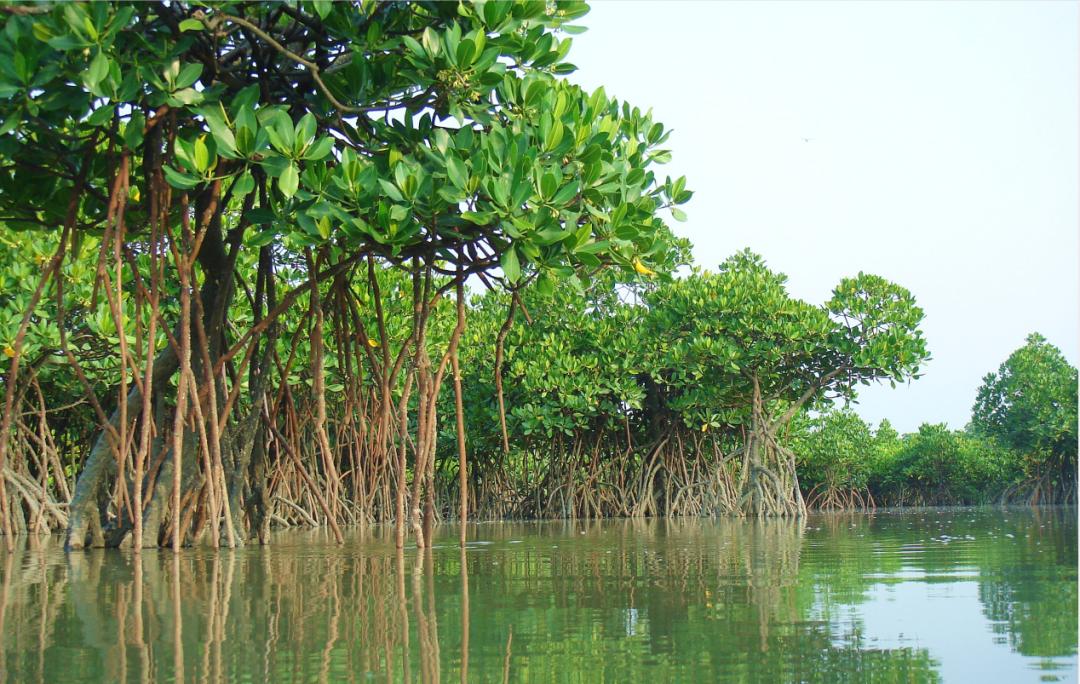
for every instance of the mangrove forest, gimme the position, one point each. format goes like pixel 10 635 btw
pixel 323 264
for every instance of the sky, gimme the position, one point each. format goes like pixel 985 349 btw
pixel 934 144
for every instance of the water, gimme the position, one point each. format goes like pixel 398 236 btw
pixel 953 595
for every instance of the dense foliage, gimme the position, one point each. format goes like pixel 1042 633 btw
pixel 672 398
pixel 236 178
pixel 1020 445
pixel 239 245
pixel 837 452
pixel 1030 405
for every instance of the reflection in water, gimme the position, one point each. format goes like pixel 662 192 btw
pixel 691 600
pixel 464 615
pixel 1031 615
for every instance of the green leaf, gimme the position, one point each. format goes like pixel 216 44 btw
pixel 323 225
pixel 678 214
pixel 401 175
pixel 480 218
pixel 391 190
pixel 289 181
pixel 450 194
pixel 548 185
pixel 545 284
pixel 202 155
pixel 260 216
pixel 414 46
pixel 550 236
pixel 103 115
pixel 172 69
pixel 501 190
pixel 133 130
pixel 554 136
pixel 660 156
pixel 188 75
pixel 442 140
pixel 178 179
pixel 282 133
pixel 465 53
pixel 99 69
pixel 510 265
pixel 320 149
pixel 187 96
pixel 41 32
pixel 431 42
pixel 191 25
pixel 223 136
pixel 654 133
pixel 455 169
pixel 262 238
pixel 322 7
pixel 243 185
pixel 593 247
pixel 565 193
pixel 452 37
pixel 91 29
pixel 304 133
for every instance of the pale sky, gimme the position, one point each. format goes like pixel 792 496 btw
pixel 942 154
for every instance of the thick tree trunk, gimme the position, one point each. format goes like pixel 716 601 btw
pixel 88 513
pixel 89 502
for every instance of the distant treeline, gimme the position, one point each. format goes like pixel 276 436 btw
pixel 1020 445
pixel 648 400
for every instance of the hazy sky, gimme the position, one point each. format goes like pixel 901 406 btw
pixel 942 154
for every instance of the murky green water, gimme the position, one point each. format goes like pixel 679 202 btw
pixel 954 595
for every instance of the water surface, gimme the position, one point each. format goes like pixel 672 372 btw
pixel 928 595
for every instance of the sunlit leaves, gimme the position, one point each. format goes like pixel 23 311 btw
pixel 510 265
pixel 216 121
pixel 740 323
pixel 289 180
pixel 99 69
pixel 244 184
pixel 450 129
pixel 178 179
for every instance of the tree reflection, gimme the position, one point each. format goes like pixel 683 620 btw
pixel 1037 618
pixel 656 599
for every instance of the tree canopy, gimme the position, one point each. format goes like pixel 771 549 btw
pixel 207 149
pixel 1030 406
pixel 433 130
